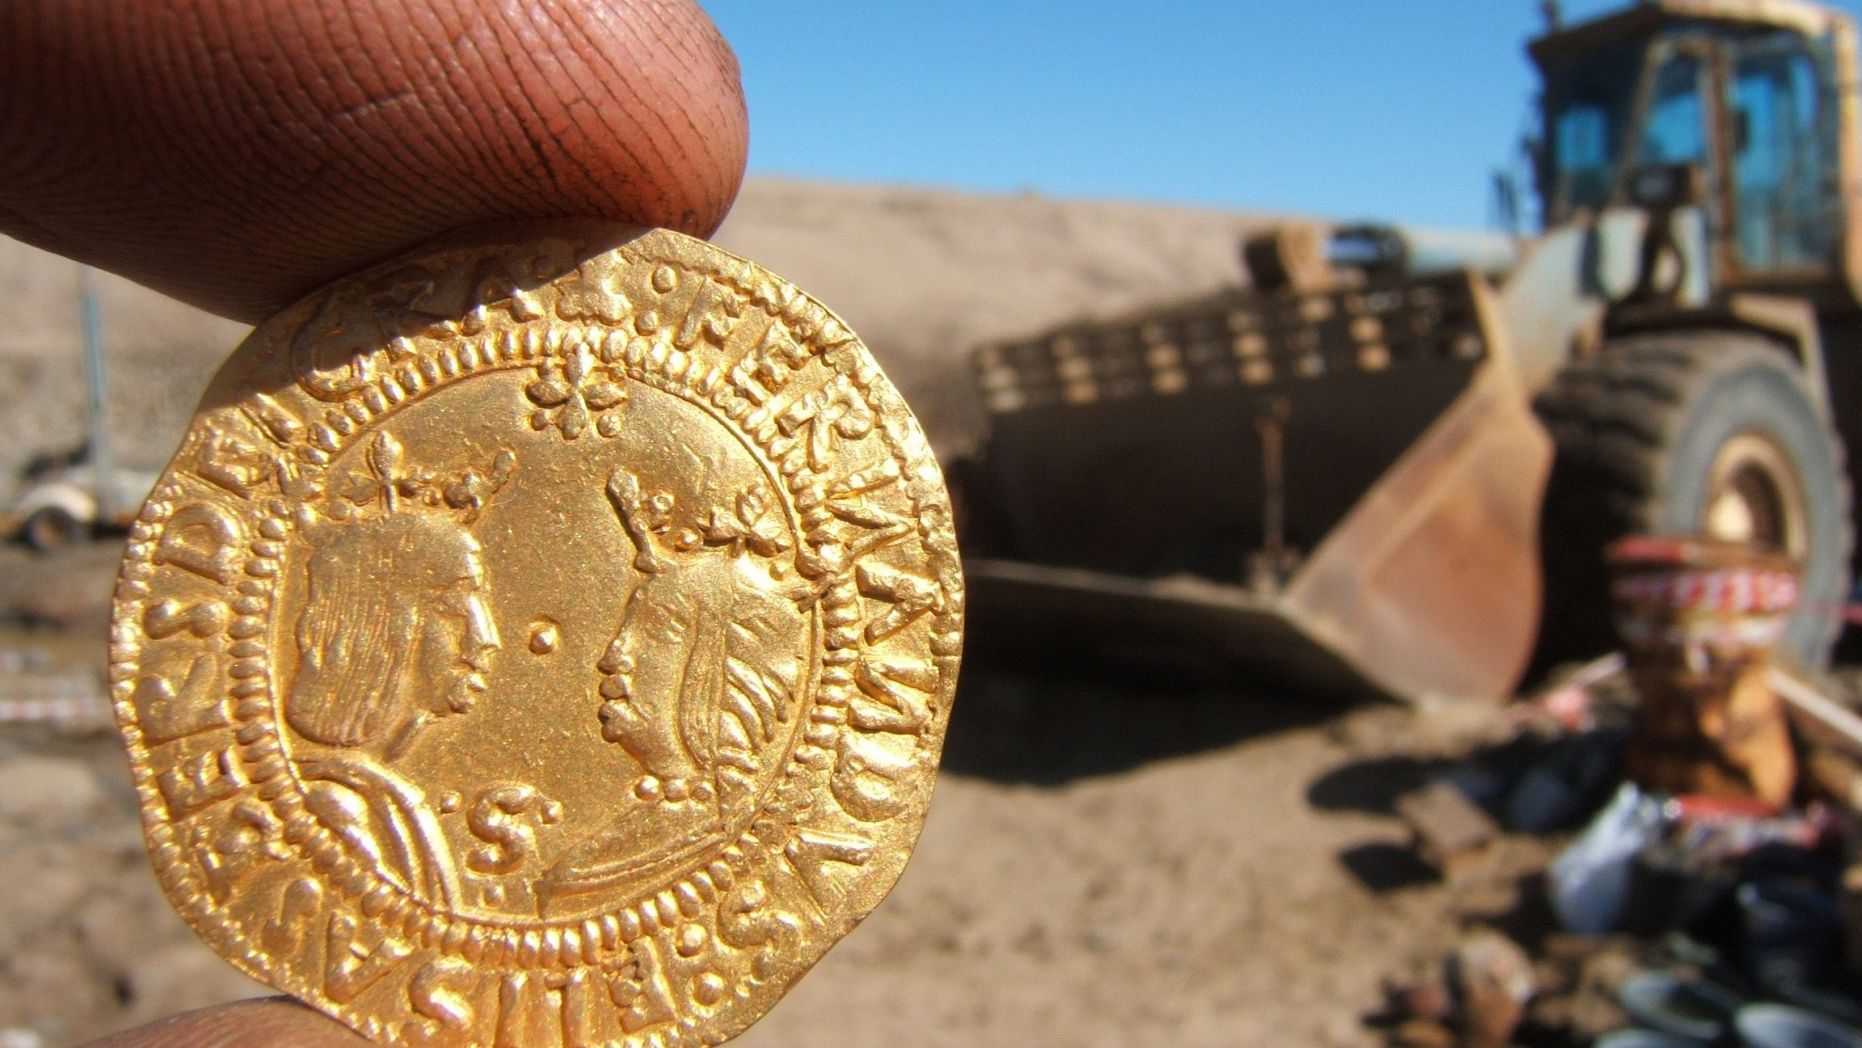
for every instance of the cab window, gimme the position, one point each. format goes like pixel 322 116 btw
pixel 1675 131
pixel 1783 178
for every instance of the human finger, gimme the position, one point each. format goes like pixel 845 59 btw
pixel 266 1022
pixel 239 153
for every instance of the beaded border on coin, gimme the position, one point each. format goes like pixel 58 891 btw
pixel 275 891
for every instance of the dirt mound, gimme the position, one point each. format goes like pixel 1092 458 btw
pixel 160 355
pixel 925 274
pixel 922 274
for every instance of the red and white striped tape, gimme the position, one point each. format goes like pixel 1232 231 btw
pixel 1739 591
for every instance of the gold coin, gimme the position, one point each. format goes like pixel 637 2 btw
pixel 538 640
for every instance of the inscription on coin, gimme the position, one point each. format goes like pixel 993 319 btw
pixel 541 641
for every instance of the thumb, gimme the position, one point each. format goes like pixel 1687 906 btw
pixel 238 154
pixel 269 1022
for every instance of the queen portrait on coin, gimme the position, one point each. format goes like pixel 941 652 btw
pixel 697 682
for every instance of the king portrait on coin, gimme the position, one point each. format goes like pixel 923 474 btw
pixel 543 639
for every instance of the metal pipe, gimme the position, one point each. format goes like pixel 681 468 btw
pixel 1272 426
pixel 103 469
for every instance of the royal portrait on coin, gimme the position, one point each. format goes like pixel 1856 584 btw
pixel 545 638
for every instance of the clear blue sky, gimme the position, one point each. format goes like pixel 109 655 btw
pixel 1395 109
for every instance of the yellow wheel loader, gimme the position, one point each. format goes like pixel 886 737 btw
pixel 1379 463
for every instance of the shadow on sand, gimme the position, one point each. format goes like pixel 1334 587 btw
pixel 1047 714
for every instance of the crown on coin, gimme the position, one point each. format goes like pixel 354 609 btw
pixel 391 485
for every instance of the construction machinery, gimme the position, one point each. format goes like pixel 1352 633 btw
pixel 1397 453
pixel 65 496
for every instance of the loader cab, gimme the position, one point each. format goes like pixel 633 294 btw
pixel 1729 107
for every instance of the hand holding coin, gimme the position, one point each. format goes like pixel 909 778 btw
pixel 585 620
pixel 239 154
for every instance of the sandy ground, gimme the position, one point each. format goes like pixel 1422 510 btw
pixel 1212 868
pixel 1189 870
pixel 1111 859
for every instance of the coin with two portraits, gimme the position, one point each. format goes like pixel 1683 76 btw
pixel 546 638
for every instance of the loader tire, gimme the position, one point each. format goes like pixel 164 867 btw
pixel 1706 432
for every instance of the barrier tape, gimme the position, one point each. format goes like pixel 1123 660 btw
pixel 1732 591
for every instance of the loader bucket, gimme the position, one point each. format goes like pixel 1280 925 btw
pixel 1342 487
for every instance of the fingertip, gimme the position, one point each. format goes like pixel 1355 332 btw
pixel 265 1022
pixel 239 154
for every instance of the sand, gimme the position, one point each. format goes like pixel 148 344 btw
pixel 1107 862
pixel 1112 859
